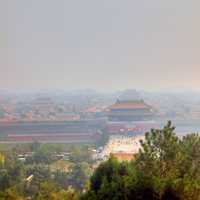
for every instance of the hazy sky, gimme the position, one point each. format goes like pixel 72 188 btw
pixel 103 44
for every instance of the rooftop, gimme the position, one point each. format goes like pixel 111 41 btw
pixel 122 156
pixel 138 104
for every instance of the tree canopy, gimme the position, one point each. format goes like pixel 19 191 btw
pixel 166 168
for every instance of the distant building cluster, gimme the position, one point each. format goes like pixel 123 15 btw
pixel 86 117
pixel 37 110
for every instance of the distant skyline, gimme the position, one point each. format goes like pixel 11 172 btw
pixel 103 45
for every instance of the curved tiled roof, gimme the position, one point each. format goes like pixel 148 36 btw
pixel 129 105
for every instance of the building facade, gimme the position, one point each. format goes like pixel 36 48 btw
pixel 127 110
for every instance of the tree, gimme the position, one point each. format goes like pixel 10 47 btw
pixel 46 190
pixel 68 194
pixel 50 191
pixel 2 160
pixel 166 168
pixel 158 157
pixel 11 194
pixel 170 163
pixel 79 176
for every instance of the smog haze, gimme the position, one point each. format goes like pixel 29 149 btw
pixel 103 44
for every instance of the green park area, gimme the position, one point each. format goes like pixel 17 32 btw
pixel 166 167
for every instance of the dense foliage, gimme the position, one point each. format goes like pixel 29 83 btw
pixel 43 175
pixel 166 168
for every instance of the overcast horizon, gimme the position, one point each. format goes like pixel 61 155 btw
pixel 104 45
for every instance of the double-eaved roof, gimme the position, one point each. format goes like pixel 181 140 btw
pixel 136 104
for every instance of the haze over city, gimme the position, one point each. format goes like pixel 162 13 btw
pixel 106 45
pixel 99 99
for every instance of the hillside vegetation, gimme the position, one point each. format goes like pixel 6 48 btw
pixel 166 168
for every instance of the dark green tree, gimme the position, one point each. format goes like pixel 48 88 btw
pixel 166 168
